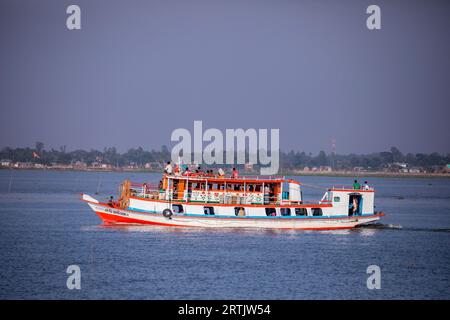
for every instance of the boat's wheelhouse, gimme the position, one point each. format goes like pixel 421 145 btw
pixel 350 201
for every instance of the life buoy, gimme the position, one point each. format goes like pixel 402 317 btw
pixel 167 213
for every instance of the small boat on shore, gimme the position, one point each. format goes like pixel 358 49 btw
pixel 235 202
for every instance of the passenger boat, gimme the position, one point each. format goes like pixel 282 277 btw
pixel 239 202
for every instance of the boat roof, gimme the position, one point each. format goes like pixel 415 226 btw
pixel 228 179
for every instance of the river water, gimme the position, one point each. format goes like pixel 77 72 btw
pixel 45 228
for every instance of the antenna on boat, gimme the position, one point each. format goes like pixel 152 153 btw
pixel 333 153
pixel 10 181
pixel 98 186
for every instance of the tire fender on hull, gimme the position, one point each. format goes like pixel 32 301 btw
pixel 167 213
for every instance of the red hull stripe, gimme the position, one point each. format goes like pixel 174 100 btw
pixel 110 218
pixel 119 219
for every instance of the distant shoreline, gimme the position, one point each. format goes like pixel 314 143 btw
pixel 376 174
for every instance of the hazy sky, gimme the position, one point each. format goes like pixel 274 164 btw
pixel 139 69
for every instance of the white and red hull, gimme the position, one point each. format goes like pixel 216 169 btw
pixel 121 216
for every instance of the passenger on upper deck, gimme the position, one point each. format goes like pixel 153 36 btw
pixel 176 171
pixel 366 186
pixel 234 173
pixel 187 172
pixel 221 173
pixel 168 168
pixel 356 185
pixel 195 174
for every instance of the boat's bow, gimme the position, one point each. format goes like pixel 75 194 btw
pixel 88 198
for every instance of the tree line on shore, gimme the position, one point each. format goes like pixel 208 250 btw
pixel 288 160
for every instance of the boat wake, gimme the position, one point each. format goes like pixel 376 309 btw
pixel 383 226
pixel 378 225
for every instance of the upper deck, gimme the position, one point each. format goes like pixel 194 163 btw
pixel 230 179
pixel 251 190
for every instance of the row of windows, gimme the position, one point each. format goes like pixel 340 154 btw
pixel 230 187
pixel 240 211
pixel 297 211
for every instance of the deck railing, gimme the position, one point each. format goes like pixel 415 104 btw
pixel 216 176
pixel 351 188
pixel 152 191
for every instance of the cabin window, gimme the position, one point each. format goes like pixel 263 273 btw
pixel 301 212
pixel 285 211
pixel 316 211
pixel 258 188
pixel 337 199
pixel 208 210
pixel 177 208
pixel 239 211
pixel 198 186
pixel 271 212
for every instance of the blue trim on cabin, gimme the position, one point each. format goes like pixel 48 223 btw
pixel 252 217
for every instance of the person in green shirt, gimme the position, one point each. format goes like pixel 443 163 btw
pixel 356 185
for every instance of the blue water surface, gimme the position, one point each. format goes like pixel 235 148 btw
pixel 45 228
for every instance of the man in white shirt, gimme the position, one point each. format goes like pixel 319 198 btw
pixel 168 168
pixel 366 186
